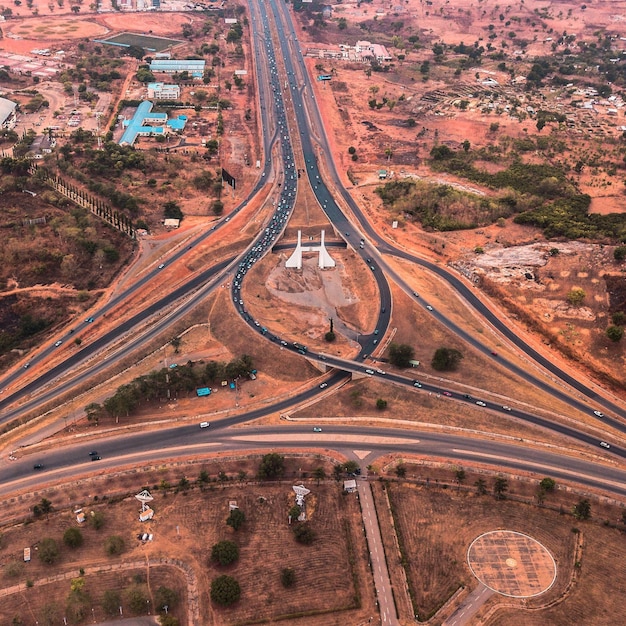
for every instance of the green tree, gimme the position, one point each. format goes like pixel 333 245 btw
pixel 319 474
pixel 351 467
pixel 236 518
pixel 171 210
pixel 500 487
pixel 459 475
pixel 304 533
pixel 381 404
pixel 481 487
pixel 272 466
pixel 338 472
pixel 111 602
pixel 548 485
pixel 294 512
pixel 401 354
pixel 48 551
pixel 287 577
pixel 615 333
pixel 619 254
pixel 576 296
pixel 582 510
pixel 400 470
pixel 114 545
pixel 446 359
pixel 619 318
pixel 466 145
pixel 165 597
pixel 225 552
pixel 43 508
pixel 225 590
pixel 136 598
pixel 73 538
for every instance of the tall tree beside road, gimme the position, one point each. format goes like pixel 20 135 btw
pixel 401 354
pixel 272 466
pixel 446 359
pixel 500 487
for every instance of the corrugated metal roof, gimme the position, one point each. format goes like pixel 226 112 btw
pixel 6 109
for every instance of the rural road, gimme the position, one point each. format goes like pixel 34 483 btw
pixel 377 556
pixel 466 611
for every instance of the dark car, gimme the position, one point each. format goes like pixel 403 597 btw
pixel 38 467
pixel 93 453
pixel 97 457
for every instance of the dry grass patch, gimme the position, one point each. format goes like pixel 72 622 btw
pixel 188 521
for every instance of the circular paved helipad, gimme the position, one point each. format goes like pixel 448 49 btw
pixel 511 563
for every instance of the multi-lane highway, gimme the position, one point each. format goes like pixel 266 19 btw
pixel 278 127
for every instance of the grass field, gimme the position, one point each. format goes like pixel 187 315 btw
pixel 148 42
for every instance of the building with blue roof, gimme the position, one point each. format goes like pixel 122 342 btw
pixel 146 123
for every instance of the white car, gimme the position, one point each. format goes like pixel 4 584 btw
pixel 604 444
pixel 598 413
pixel 480 403
pixel 323 385
pixel 58 343
pixel 506 408
pixel 205 424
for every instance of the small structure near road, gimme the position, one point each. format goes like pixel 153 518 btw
pixel 146 513
pixel 301 492
pixel 349 486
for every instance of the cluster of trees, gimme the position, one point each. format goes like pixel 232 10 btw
pixel 441 207
pixel 155 385
pixel 550 201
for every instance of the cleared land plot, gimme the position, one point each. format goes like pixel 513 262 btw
pixel 155 44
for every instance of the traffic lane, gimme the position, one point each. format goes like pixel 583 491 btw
pixel 92 348
pixel 494 453
pixel 463 289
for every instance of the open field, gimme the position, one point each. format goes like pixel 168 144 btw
pixel 187 522
pixel 436 526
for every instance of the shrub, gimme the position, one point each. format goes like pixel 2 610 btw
pixel 576 296
pixel 236 518
pixel 111 602
pixel 48 551
pixel 165 597
pixel 114 545
pixel 73 538
pixel 287 577
pixel 381 404
pixel 615 333
pixel 96 520
pixel 304 534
